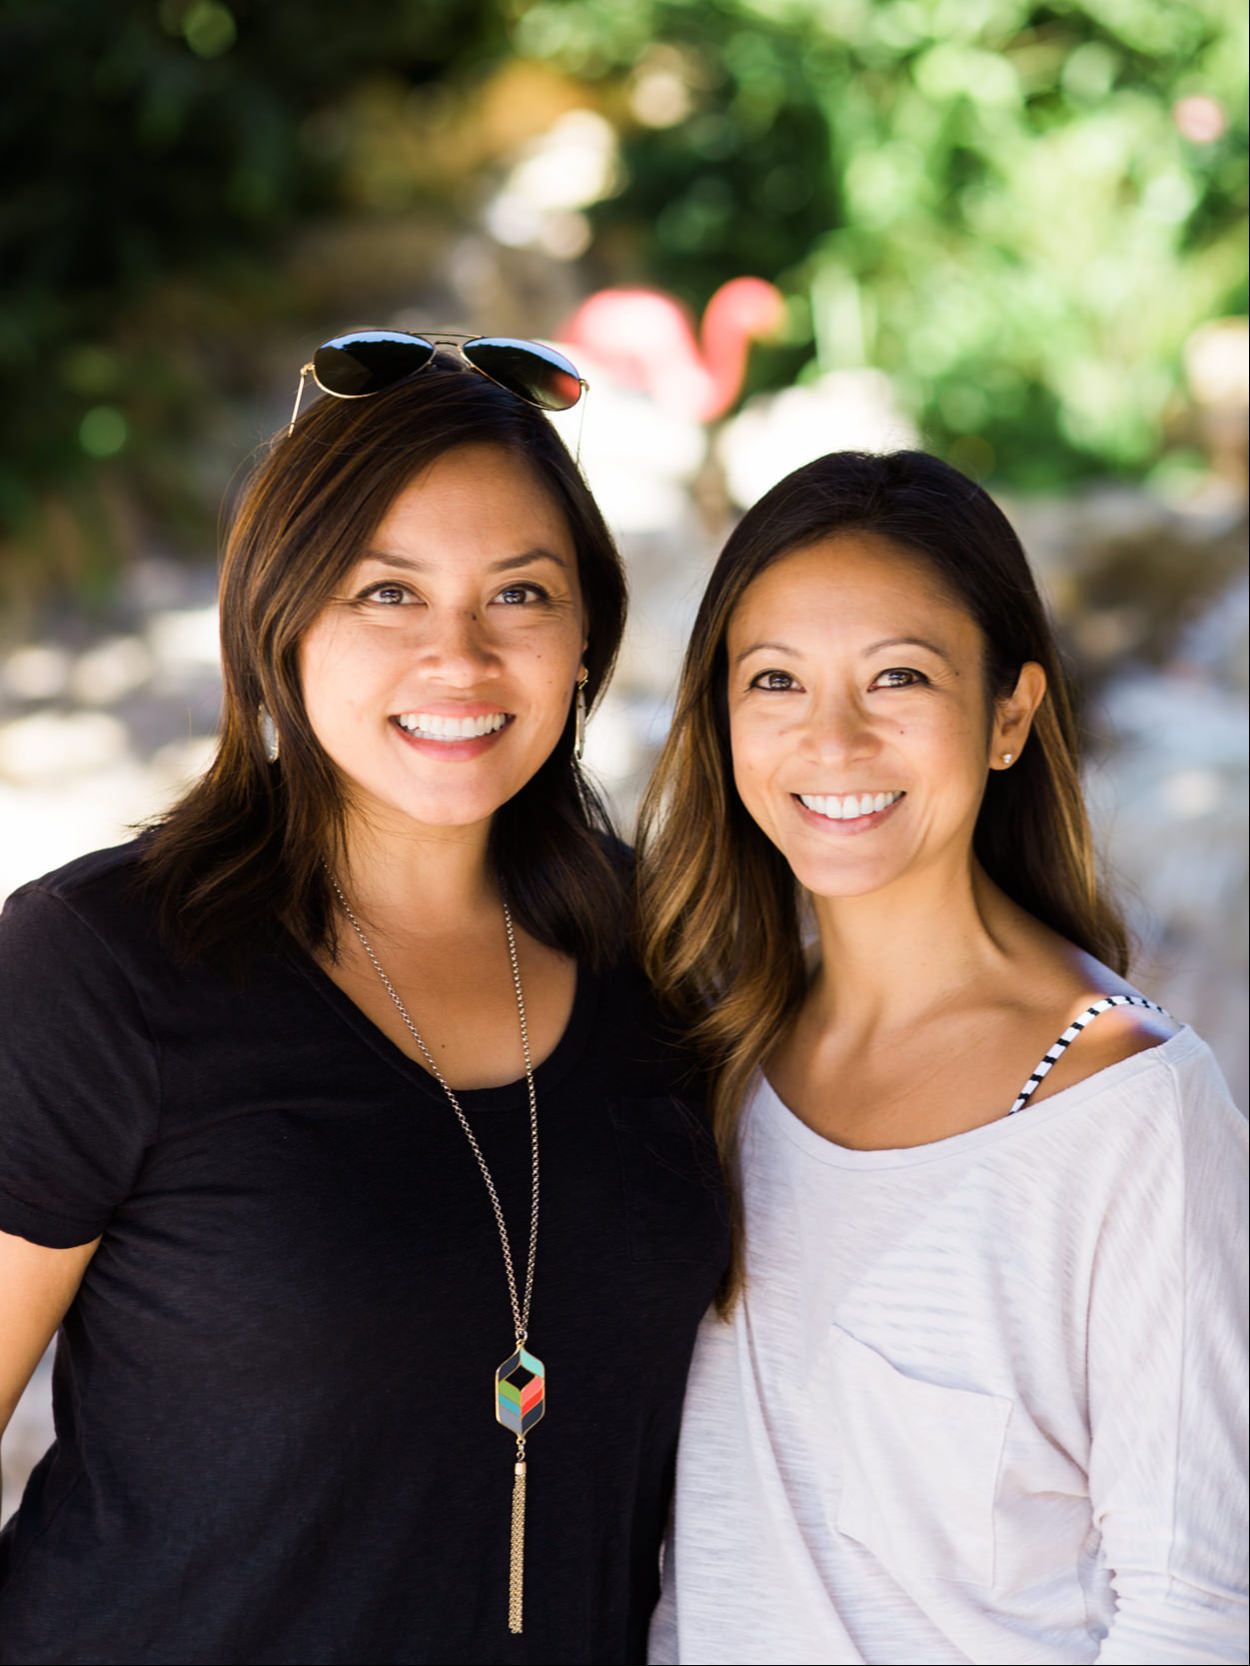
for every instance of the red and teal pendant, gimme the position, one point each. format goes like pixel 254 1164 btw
pixel 520 1392
pixel 520 1402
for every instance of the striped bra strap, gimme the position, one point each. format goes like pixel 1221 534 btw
pixel 1069 1036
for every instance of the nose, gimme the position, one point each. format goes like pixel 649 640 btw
pixel 458 648
pixel 838 731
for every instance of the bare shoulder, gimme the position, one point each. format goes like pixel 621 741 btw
pixel 1121 1032
pixel 1107 1037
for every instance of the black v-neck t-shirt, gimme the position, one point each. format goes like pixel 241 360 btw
pixel 274 1392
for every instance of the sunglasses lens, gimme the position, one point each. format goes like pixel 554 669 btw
pixel 368 361
pixel 528 369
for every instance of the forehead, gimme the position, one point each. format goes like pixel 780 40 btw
pixel 472 493
pixel 846 579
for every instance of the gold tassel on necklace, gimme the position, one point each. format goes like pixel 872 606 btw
pixel 516 1559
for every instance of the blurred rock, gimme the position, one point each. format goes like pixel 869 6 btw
pixel 54 746
pixel 118 666
pixel 844 410
pixel 1125 574
pixel 36 672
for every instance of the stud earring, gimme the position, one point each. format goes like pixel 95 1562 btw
pixel 1008 756
pixel 268 733
pixel 579 717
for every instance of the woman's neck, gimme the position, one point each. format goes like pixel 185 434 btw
pixel 895 955
pixel 419 881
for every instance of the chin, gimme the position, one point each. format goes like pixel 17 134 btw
pixel 841 886
pixel 441 811
pixel 840 879
pixel 436 808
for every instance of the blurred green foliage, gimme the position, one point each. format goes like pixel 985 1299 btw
pixel 1019 210
pixel 156 151
pixel 993 200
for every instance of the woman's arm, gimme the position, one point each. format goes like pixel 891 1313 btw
pixel 1167 1383
pixel 36 1287
pixel 79 1100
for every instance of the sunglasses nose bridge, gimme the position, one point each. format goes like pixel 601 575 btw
pixel 366 370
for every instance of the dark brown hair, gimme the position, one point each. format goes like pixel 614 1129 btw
pixel 718 903
pixel 245 849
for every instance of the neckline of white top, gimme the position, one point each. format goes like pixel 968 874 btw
pixel 764 1100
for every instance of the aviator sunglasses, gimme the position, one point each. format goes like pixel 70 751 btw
pixel 363 362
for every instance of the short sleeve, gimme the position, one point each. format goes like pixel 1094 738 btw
pixel 79 1076
pixel 1167 1383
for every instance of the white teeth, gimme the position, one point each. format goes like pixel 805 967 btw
pixel 432 726
pixel 849 807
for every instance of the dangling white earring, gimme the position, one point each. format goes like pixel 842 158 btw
pixel 579 717
pixel 268 733
pixel 1008 756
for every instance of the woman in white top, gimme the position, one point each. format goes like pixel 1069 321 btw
pixel 976 1390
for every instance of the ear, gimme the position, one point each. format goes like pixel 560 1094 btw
pixel 1013 716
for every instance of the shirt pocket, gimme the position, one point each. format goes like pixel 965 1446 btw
pixel 675 1207
pixel 920 1467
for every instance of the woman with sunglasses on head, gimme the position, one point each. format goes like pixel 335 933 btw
pixel 334 1119
pixel 976 1391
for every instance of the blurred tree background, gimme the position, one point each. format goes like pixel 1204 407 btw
pixel 1021 212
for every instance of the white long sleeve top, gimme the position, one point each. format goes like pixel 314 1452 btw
pixel 984 1399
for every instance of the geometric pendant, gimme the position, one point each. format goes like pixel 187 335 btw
pixel 520 1392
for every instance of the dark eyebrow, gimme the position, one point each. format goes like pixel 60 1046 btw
pixel 907 642
pixel 760 647
pixel 508 564
pixel 874 648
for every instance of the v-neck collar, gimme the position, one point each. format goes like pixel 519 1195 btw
pixel 548 1073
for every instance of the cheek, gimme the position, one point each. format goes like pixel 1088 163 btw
pixel 545 676
pixel 542 650
pixel 753 756
pixel 314 666
pixel 949 748
pixel 333 678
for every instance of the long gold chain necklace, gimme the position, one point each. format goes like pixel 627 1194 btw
pixel 521 1381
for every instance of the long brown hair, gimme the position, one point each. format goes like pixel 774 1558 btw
pixel 718 903
pixel 244 850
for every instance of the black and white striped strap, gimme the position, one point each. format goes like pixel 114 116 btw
pixel 1069 1036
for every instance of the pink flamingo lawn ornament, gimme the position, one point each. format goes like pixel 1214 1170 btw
pixel 644 340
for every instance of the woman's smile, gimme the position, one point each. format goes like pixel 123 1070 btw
pixel 850 811
pixel 428 725
pixel 441 677
pixel 450 737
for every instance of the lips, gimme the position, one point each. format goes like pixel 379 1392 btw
pixel 847 806
pixel 441 726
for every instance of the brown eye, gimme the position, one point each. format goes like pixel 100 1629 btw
pixel 899 676
pixel 389 595
pixel 516 595
pixel 773 682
